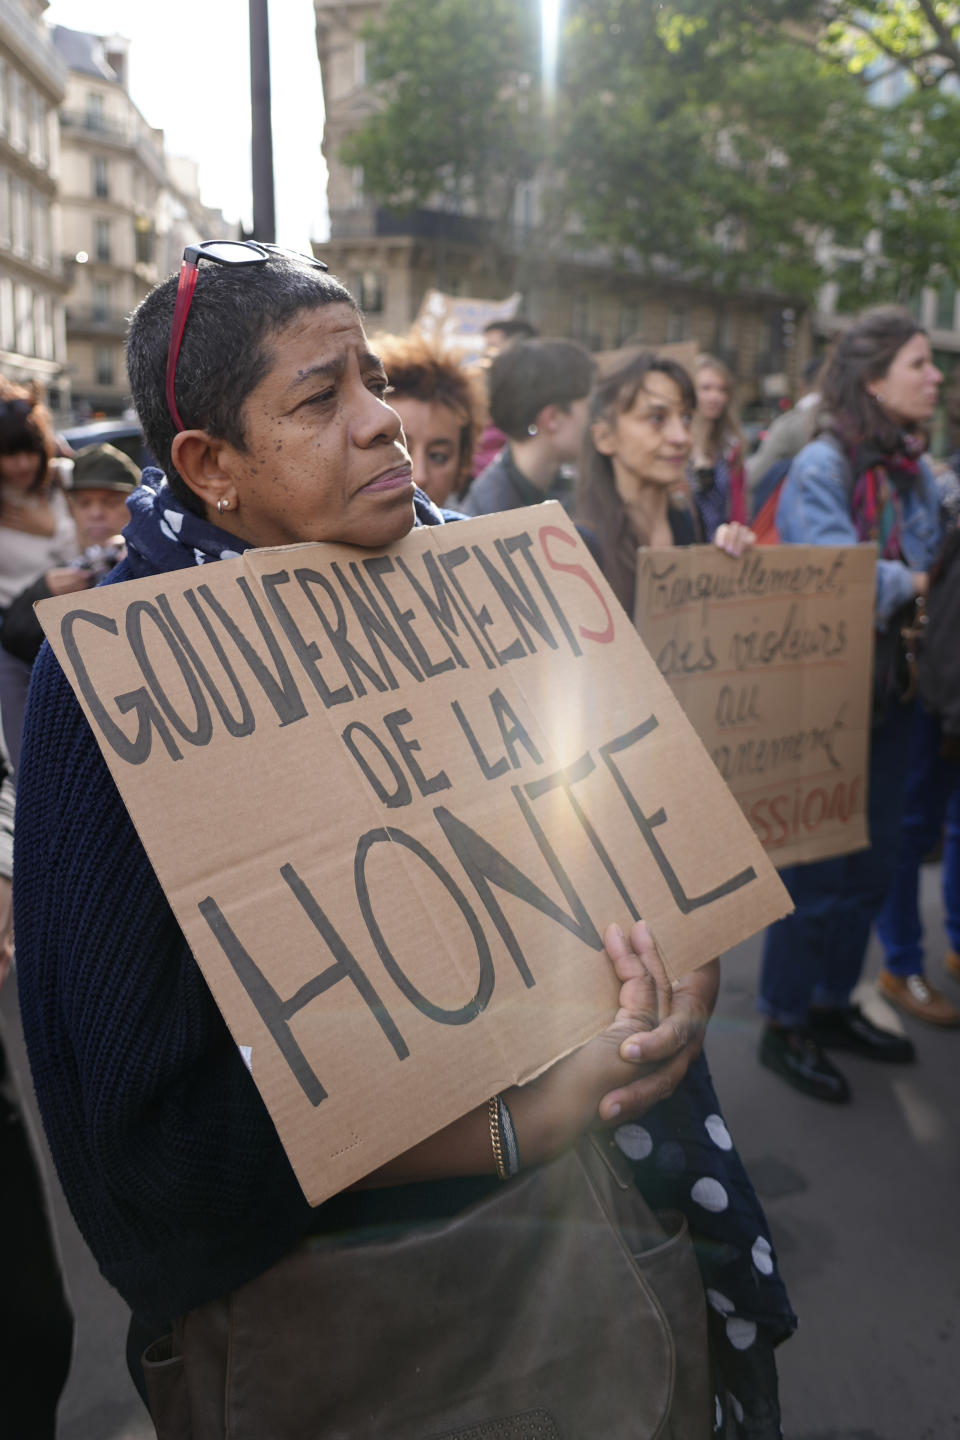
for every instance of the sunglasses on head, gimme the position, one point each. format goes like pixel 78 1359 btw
pixel 221 252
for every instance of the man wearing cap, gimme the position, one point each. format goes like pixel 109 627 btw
pixel 97 491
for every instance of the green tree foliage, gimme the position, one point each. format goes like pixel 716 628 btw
pixel 867 38
pixel 729 141
pixel 731 154
pixel 920 38
pixel 459 122
pixel 920 223
pixel 905 55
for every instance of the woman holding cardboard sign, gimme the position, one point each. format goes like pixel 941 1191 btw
pixel 257 389
pixel 638 444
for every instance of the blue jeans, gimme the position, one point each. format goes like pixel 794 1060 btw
pixel 932 797
pixel 815 956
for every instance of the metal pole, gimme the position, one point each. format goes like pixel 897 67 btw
pixel 264 218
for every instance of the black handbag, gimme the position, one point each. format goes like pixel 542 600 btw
pixel 557 1308
pixel 939 669
pixel 896 658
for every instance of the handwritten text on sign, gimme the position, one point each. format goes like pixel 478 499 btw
pixel 394 799
pixel 770 657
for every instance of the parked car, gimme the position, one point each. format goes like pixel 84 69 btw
pixel 125 435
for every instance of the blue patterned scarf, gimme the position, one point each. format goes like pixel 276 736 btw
pixel 164 535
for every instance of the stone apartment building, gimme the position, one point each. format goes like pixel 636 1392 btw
pixel 32 285
pixel 389 262
pixel 128 210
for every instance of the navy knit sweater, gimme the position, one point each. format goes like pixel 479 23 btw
pixel 165 1151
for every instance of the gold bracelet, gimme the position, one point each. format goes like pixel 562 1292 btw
pixel 493 1115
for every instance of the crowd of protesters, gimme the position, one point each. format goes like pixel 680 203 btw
pixel 640 452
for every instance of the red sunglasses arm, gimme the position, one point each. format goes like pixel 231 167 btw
pixel 185 289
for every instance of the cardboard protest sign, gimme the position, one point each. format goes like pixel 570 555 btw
pixel 456 322
pixel 684 352
pixel 394 799
pixel 771 657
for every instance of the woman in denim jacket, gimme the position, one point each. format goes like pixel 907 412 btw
pixel 862 479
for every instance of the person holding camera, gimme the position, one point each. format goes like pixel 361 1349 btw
pixel 96 495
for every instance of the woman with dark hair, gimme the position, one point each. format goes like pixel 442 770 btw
pixel 716 465
pixel 37 534
pixel 260 395
pixel 862 480
pixel 631 490
pixel 631 493
pixel 441 406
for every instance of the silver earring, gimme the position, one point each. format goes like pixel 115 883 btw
pixel 878 396
pixel 222 505
pixel 532 430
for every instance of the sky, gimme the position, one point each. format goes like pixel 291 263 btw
pixel 189 75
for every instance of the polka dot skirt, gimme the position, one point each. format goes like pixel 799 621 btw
pixel 684 1159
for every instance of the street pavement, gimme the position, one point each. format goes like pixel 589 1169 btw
pixel 862 1202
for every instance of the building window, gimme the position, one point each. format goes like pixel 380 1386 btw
pixel 38 130
pixel 18 111
pixel 4 97
pixel 677 324
pixel 101 300
pixel 46 111
pixel 580 318
pixel 781 329
pixel 103 367
pixel 8 327
pixel 725 343
pixel 94 117
pixel 101 240
pixel 524 211
pixel 369 292
pixel 43 325
pixel 101 177
pixel 356 180
pixel 41 230
pixel 59 332
pixel 628 323
pixel 18 208
pixel 946 306
pixel 915 304
pixel 144 238
pixel 24 304
pixel 359 64
pixel 5 235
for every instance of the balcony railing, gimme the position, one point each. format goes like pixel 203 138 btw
pixel 369 220
pixel 93 124
pixel 96 320
pixel 114 132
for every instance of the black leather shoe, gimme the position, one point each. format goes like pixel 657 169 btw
pixel 793 1054
pixel 850 1029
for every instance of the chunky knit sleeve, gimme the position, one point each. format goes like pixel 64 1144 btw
pixel 165 1151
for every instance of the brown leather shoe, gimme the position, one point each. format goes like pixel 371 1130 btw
pixel 952 964
pixel 915 995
